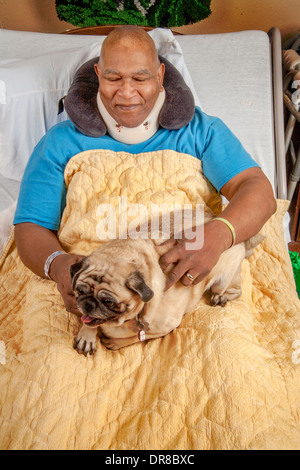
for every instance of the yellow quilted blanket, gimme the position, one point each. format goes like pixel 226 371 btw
pixel 227 378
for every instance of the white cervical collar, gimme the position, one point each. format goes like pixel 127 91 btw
pixel 133 135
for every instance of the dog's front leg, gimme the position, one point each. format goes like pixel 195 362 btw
pixel 117 338
pixel 117 343
pixel 85 341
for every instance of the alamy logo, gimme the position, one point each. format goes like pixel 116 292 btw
pixel 165 221
pixel 2 352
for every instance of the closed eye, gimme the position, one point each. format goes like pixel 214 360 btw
pixel 109 304
pixel 140 79
pixel 113 306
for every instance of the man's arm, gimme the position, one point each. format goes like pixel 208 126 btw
pixel 35 243
pixel 251 204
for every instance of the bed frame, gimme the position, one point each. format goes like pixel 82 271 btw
pixel 227 378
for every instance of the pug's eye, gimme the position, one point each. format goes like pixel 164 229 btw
pixel 80 291
pixel 109 304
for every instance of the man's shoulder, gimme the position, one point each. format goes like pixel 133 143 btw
pixel 208 123
pixel 63 128
pixel 63 138
pixel 202 123
pixel 59 144
pixel 202 117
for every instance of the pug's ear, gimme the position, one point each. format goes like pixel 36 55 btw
pixel 136 283
pixel 75 270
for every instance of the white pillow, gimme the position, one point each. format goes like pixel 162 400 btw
pixel 30 92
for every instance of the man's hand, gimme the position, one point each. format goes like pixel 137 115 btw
pixel 35 244
pixel 60 273
pixel 197 261
pixel 251 204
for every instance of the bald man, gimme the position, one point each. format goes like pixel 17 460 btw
pixel 131 57
pixel 130 89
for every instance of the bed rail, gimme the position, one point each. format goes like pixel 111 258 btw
pixel 278 108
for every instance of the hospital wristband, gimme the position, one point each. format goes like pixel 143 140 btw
pixel 230 226
pixel 49 261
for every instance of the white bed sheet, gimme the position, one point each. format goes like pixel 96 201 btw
pixel 233 80
pixel 231 76
pixel 9 191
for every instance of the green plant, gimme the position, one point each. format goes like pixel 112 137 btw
pixel 155 13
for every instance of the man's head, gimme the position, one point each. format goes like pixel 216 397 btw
pixel 130 75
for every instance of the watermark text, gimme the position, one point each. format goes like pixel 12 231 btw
pixel 159 221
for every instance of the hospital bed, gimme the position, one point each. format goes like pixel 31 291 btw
pixel 236 389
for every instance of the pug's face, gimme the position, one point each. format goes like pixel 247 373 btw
pixel 106 292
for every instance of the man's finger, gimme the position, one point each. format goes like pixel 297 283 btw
pixel 172 256
pixel 175 274
pixel 71 304
pixel 171 242
pixel 190 277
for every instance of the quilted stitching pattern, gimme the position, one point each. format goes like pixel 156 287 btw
pixel 225 379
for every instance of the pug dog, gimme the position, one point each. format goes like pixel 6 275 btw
pixel 120 291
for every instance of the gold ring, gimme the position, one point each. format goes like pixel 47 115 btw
pixel 190 277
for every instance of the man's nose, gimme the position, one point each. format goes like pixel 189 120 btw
pixel 127 89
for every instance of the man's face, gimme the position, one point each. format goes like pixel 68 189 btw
pixel 130 80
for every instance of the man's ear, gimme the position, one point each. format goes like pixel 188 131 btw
pixel 96 68
pixel 161 74
pixel 137 283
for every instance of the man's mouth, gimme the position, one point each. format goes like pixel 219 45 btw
pixel 127 107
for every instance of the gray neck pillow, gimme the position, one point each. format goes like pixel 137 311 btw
pixel 81 101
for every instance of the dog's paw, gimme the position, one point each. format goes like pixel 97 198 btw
pixel 85 341
pixel 218 299
pixel 84 347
